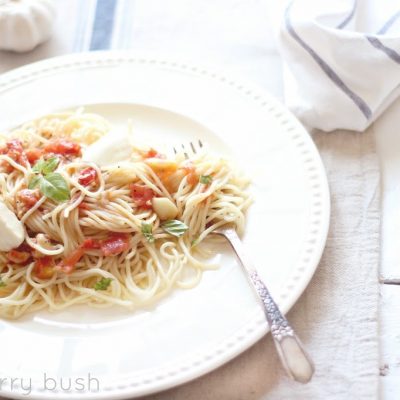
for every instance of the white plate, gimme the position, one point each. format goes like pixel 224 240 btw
pixel 190 332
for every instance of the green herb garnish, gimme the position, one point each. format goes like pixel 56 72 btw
pixel 45 166
pixel 205 179
pixel 102 284
pixel 2 283
pixel 55 187
pixel 174 227
pixel 50 165
pixel 147 231
pixel 35 181
pixel 51 184
pixel 194 242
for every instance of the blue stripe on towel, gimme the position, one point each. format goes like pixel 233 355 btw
pixel 103 24
pixel 387 50
pixel 332 75
pixel 389 23
pixel 349 17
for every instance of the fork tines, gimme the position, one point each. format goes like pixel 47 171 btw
pixel 192 147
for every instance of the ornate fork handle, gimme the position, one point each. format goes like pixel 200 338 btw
pixel 278 323
pixel 295 359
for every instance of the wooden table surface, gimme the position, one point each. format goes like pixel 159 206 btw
pixel 388 140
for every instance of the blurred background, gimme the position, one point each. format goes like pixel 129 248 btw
pixel 232 35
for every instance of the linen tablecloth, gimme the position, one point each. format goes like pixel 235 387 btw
pixel 337 314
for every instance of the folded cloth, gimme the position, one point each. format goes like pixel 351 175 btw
pixel 342 60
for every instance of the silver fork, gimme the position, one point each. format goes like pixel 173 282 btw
pixel 295 360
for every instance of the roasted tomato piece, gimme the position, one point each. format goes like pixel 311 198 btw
pixel 44 267
pixel 15 151
pixel 83 206
pixel 68 264
pixel 142 195
pixel 18 257
pixel 115 244
pixel 87 176
pixel 152 153
pixel 90 244
pixel 192 176
pixel 28 197
pixel 33 155
pixel 64 147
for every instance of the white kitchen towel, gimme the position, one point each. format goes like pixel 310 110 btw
pixel 342 60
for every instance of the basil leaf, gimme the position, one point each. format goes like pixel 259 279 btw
pixel 205 179
pixel 46 166
pixel 2 284
pixel 55 187
pixel 102 284
pixel 174 227
pixel 34 182
pixel 147 231
pixel 38 167
pixel 50 165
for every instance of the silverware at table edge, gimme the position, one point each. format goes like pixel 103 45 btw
pixel 295 360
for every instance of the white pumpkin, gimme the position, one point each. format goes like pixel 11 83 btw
pixel 24 24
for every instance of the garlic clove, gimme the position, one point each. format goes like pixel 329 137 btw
pixel 164 208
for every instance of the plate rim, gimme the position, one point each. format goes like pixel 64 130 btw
pixel 316 240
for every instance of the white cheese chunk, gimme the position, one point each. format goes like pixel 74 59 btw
pixel 11 229
pixel 109 149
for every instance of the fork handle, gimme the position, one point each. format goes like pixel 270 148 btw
pixel 294 357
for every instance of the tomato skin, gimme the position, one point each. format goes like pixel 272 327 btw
pixel 33 155
pixel 87 176
pixel 68 264
pixel 83 206
pixel 142 196
pixel 14 147
pixel 18 257
pixel 15 151
pixel 90 244
pixel 191 174
pixel 152 153
pixel 44 267
pixel 192 178
pixel 115 244
pixel 28 197
pixel 64 147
